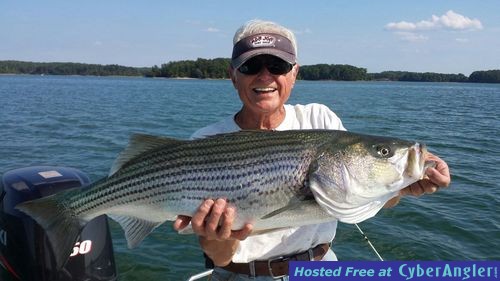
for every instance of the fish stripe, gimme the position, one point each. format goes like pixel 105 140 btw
pixel 227 167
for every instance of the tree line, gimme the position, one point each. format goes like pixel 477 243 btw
pixel 217 69
pixel 418 76
pixel 68 68
pixel 200 68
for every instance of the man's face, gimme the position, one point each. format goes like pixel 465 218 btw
pixel 264 92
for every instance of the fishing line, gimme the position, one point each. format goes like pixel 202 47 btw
pixel 207 273
pixel 369 242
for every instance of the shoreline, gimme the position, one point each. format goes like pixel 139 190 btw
pixel 216 69
pixel 223 79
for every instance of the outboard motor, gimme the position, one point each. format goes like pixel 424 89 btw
pixel 25 250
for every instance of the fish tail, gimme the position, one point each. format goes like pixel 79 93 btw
pixel 60 223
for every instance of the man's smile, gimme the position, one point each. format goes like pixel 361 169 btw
pixel 264 90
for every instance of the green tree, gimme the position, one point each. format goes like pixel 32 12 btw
pixel 488 76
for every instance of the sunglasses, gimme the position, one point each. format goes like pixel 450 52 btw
pixel 273 64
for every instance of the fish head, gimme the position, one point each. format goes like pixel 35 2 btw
pixel 355 176
pixel 390 166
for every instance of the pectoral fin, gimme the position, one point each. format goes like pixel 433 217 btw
pixel 292 205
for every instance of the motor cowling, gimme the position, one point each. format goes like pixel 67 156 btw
pixel 25 250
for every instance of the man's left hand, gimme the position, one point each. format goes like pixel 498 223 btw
pixel 434 178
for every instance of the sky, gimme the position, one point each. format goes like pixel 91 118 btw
pixel 442 36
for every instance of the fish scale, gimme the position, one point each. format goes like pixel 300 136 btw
pixel 215 158
pixel 274 179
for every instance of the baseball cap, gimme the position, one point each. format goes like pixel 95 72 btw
pixel 262 44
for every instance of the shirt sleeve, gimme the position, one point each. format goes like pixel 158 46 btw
pixel 226 125
pixel 317 116
pixel 331 120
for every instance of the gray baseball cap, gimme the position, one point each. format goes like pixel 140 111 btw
pixel 262 44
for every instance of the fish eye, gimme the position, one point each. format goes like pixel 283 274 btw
pixel 383 150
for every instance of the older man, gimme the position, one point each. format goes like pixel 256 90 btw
pixel 263 71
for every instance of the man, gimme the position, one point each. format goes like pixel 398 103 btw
pixel 263 71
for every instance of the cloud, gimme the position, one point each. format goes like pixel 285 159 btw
pixel 453 20
pixel 402 25
pixel 212 29
pixel 412 37
pixel 450 20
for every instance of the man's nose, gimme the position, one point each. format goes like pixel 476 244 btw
pixel 264 74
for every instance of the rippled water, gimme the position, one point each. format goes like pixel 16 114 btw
pixel 84 122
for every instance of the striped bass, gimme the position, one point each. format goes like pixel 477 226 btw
pixel 275 179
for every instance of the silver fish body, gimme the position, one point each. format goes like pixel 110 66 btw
pixel 274 179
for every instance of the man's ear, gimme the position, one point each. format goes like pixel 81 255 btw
pixel 296 70
pixel 230 71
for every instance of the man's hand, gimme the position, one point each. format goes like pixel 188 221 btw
pixel 213 224
pixel 214 220
pixel 434 178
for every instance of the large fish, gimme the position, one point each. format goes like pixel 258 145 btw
pixel 275 180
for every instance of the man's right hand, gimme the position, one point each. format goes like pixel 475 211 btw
pixel 212 222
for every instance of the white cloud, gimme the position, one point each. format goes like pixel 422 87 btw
pixel 412 37
pixel 450 20
pixel 402 25
pixel 212 29
pixel 456 21
pixel 410 31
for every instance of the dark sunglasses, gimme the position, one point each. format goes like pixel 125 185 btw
pixel 273 64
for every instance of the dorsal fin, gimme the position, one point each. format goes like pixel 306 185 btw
pixel 139 144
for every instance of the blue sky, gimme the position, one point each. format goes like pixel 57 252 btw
pixel 439 36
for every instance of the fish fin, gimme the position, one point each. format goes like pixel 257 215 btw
pixel 61 225
pixel 138 144
pixel 136 229
pixel 293 204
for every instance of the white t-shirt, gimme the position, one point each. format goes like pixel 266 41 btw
pixel 296 239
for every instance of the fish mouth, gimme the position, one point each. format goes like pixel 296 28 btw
pixel 416 161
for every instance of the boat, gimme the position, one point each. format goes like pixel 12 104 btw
pixel 25 251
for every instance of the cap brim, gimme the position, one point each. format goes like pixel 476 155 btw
pixel 239 61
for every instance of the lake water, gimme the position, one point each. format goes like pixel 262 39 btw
pixel 84 122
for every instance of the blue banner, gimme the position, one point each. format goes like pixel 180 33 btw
pixel 395 270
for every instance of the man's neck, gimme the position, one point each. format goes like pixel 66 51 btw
pixel 247 119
